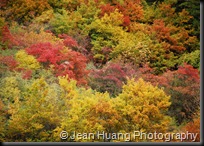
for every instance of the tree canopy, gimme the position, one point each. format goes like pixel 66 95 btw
pixel 113 66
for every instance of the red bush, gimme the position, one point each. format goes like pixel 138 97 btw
pixel 111 77
pixel 7 38
pixel 64 61
pixel 27 74
pixel 9 62
pixel 68 41
pixel 183 85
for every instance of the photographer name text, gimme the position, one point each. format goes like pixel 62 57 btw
pixel 135 135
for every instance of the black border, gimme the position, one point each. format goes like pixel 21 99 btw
pixel 142 143
pixel 102 143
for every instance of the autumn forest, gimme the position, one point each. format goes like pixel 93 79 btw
pixel 108 66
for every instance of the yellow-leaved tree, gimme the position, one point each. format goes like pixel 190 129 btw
pixel 143 108
pixel 140 107
pixel 35 113
pixel 27 61
pixel 87 111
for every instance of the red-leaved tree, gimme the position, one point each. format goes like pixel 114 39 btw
pixel 7 39
pixel 62 60
pixel 111 77
pixel 183 85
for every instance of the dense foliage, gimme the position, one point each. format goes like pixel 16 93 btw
pixel 116 66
